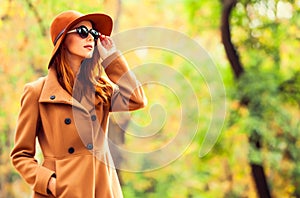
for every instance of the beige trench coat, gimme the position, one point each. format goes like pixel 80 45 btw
pixel 72 135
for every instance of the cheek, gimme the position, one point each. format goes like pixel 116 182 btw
pixel 71 44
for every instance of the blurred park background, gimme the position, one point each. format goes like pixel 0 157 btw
pixel 255 45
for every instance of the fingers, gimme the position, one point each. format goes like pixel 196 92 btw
pixel 102 37
pixel 106 41
pixel 109 39
pixel 106 46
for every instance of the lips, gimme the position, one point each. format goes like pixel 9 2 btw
pixel 90 47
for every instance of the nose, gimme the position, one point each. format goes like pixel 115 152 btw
pixel 90 37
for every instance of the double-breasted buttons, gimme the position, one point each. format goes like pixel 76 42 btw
pixel 52 97
pixel 71 150
pixel 93 117
pixel 89 146
pixel 67 121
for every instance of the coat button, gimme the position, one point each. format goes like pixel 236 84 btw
pixel 89 146
pixel 67 121
pixel 71 150
pixel 94 118
pixel 52 97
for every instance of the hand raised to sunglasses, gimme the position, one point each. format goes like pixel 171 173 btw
pixel 106 46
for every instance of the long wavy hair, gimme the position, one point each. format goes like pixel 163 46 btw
pixel 89 77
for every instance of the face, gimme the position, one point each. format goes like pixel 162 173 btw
pixel 77 47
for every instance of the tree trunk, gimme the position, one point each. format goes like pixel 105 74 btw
pixel 258 172
pixel 231 52
pixel 37 16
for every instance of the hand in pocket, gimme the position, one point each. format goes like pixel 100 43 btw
pixel 52 186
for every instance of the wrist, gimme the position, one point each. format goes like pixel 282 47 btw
pixel 106 62
pixel 52 185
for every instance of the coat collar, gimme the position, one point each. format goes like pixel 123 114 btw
pixel 52 92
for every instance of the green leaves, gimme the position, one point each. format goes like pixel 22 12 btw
pixel 268 45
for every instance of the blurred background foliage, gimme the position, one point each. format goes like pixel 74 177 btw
pixel 262 103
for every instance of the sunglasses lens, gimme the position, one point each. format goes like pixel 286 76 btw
pixel 82 31
pixel 95 34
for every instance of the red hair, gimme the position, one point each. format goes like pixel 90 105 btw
pixel 89 77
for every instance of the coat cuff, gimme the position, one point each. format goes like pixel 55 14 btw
pixel 42 178
pixel 106 62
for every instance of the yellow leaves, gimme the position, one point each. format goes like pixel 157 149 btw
pixel 24 53
pixel 142 185
pixel 145 13
pixel 298 144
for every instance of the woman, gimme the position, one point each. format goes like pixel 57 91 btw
pixel 68 111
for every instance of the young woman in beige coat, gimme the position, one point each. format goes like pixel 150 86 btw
pixel 68 111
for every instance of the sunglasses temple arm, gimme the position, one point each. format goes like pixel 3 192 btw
pixel 71 31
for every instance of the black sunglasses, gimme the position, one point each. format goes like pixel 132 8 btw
pixel 84 32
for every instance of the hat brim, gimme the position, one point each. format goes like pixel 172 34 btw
pixel 101 22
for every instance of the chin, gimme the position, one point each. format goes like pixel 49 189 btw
pixel 89 55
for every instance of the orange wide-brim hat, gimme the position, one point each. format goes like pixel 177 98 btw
pixel 64 21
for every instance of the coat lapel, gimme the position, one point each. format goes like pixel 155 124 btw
pixel 52 92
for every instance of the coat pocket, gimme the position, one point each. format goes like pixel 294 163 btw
pixel 50 164
pixel 74 177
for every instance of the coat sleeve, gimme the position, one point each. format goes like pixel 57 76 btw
pixel 128 95
pixel 23 153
